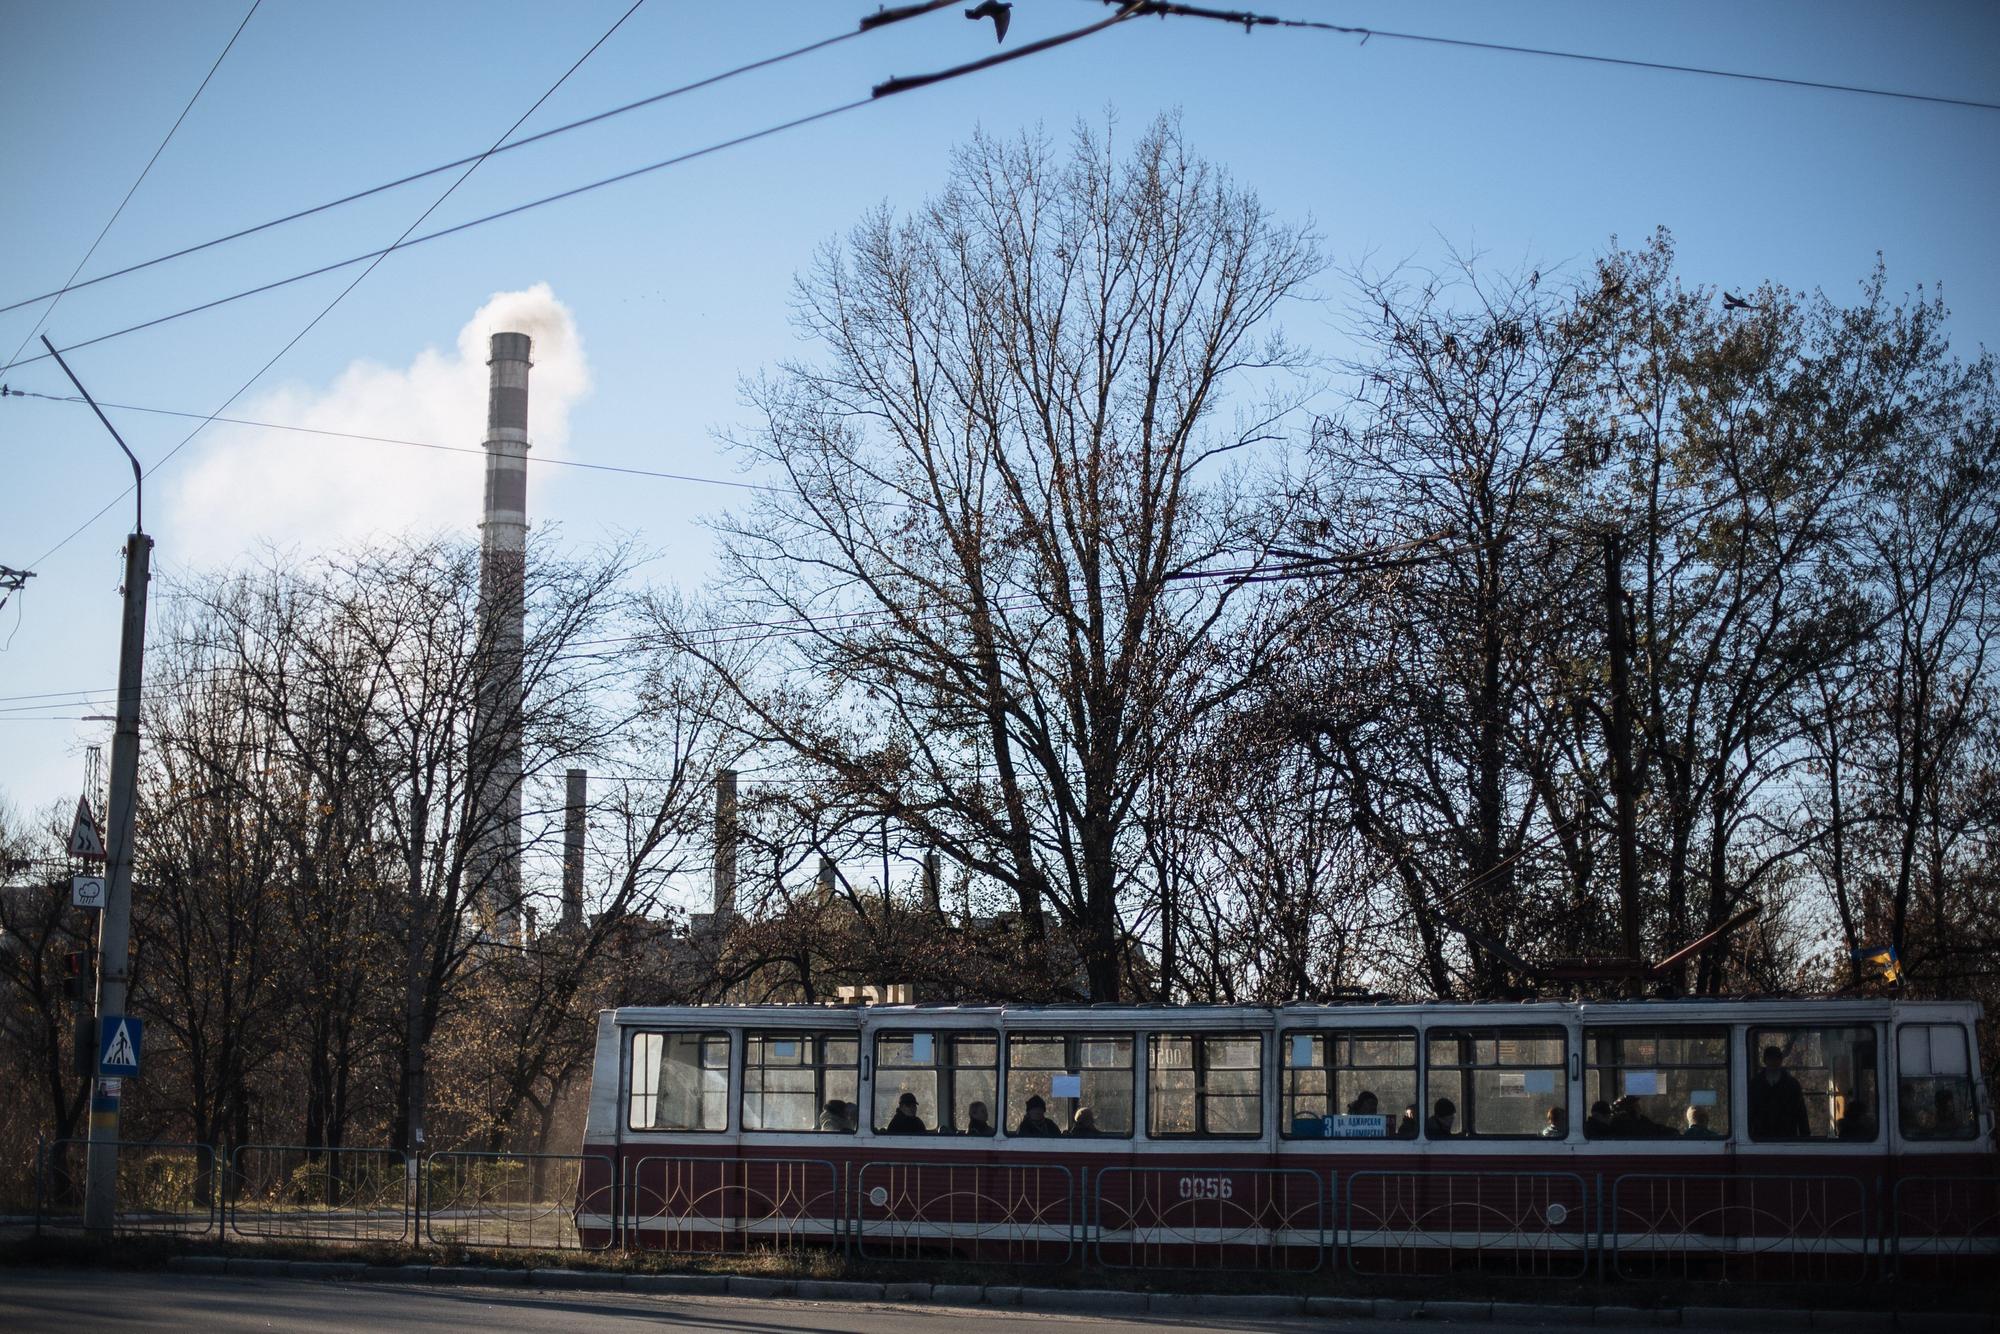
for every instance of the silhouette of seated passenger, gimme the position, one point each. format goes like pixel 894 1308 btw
pixel 1035 1123
pixel 1698 1126
pixel 1084 1124
pixel 1440 1124
pixel 833 1117
pixel 906 1121
pixel 976 1120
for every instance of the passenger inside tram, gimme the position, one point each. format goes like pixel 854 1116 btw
pixel 1084 1125
pixel 1407 1127
pixel 1777 1103
pixel 1697 1125
pixel 837 1116
pixel 976 1120
pixel 1443 1114
pixel 1598 1124
pixel 1628 1122
pixel 1558 1126
pixel 906 1121
pixel 1035 1123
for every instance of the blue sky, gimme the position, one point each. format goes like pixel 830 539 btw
pixel 664 292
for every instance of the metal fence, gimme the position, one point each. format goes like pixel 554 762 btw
pixel 732 1205
pixel 1939 1224
pixel 1014 1213
pixel 162 1188
pixel 318 1194
pixel 1809 1227
pixel 519 1201
pixel 1199 1217
pixel 1524 1223
pixel 1790 1228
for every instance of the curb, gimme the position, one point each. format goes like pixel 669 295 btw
pixel 1099 1301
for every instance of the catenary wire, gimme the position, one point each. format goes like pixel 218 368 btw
pixel 412 242
pixel 72 285
pixel 340 296
pixel 1252 20
pixel 144 171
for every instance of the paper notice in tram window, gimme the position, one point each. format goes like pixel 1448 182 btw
pixel 1066 1086
pixel 1642 1083
pixel 785 1050
pixel 920 1049
pixel 1701 1098
pixel 1302 1051
pixel 1538 1081
pixel 1356 1127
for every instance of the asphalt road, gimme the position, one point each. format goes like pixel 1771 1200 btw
pixel 74 1301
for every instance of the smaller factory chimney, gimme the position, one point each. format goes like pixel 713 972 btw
pixel 575 800
pixel 724 873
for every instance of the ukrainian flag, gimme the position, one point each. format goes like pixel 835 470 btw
pixel 1878 962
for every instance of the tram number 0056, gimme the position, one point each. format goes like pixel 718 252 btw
pixel 1207 1188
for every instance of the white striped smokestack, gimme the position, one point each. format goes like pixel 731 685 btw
pixel 503 544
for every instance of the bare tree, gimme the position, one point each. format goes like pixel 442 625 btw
pixel 989 490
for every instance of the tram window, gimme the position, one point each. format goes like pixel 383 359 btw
pixel 1812 1083
pixel 1934 1082
pixel 680 1081
pixel 1656 1083
pixel 949 1071
pixel 1355 1076
pixel 1493 1083
pixel 800 1082
pixel 1205 1084
pixel 1067 1073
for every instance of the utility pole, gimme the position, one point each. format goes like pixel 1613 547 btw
pixel 114 929
pixel 1622 778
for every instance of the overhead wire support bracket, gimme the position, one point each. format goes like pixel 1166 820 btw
pixel 891 87
pixel 138 478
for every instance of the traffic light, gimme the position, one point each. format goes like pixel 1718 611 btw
pixel 80 974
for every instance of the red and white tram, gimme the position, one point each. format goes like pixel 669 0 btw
pixel 1410 1133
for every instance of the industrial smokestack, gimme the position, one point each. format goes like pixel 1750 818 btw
pixel 575 800
pixel 503 545
pixel 725 846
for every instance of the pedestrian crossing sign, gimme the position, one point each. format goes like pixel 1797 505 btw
pixel 119 1040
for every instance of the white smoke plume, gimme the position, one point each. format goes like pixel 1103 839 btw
pixel 311 492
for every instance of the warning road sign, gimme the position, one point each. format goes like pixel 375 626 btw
pixel 118 1043
pixel 84 839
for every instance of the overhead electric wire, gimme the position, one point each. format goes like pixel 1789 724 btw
pixel 883 90
pixel 411 243
pixel 428 172
pixel 1252 20
pixel 326 310
pixel 405 242
pixel 413 444
pixel 144 171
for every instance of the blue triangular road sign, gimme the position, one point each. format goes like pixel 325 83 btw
pixel 118 1045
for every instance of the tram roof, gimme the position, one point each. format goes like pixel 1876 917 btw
pixel 1148 1014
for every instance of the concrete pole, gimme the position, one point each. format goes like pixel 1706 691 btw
pixel 114 930
pixel 933 884
pixel 825 883
pixel 575 801
pixel 726 837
